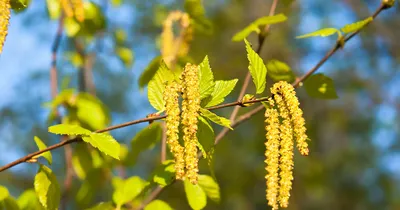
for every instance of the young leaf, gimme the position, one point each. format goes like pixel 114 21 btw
pixel 92 112
pixel 349 28
pixel 82 161
pixel 127 190
pixel 195 195
pixel 255 26
pixel 320 86
pixel 67 129
pixel 47 188
pixel 195 9
pixel 158 205
pixel 3 193
pixel 165 174
pixel 157 85
pixel 103 206
pixel 210 187
pixel 215 118
pixel 105 143
pixel 144 140
pixel 9 203
pixel 222 88
pixel 149 72
pixel 28 200
pixel 206 79
pixel 42 146
pixel 19 5
pixel 126 55
pixel 257 68
pixel 205 134
pixel 53 9
pixel 322 32
pixel 280 71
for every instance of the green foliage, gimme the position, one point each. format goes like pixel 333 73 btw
pixel 255 26
pixel 144 140
pixel 349 28
pixel 206 79
pixel 3 193
pixel 195 195
pixel 320 86
pixel 42 146
pixel 9 203
pixel 67 129
pixel 165 173
pixel 91 112
pixel 149 72
pixel 126 190
pixel 103 206
pixel 53 8
pixel 158 205
pixel 28 200
pixel 126 55
pixel 94 22
pixel 19 5
pixel 322 32
pixel 257 68
pixel 222 89
pixel 210 187
pixel 82 161
pixel 280 71
pixel 156 86
pixel 47 188
pixel 105 143
pixel 195 9
pixel 205 136
pixel 215 118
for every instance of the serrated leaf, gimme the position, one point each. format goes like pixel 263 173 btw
pixel 3 193
pixel 195 195
pixel 349 28
pixel 255 26
pixel 9 203
pixel 127 190
pixel 82 161
pixel 42 146
pixel 205 135
pixel 145 139
pixel 47 188
pixel 165 173
pixel 91 111
pixel 104 143
pixel 67 129
pixel 210 187
pixel 222 88
pixel 157 85
pixel 126 55
pixel 149 72
pixel 257 68
pixel 53 9
pixel 320 86
pixel 206 79
pixel 322 32
pixel 158 205
pixel 215 118
pixel 28 200
pixel 103 206
pixel 280 71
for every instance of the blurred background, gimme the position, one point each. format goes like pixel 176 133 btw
pixel 354 161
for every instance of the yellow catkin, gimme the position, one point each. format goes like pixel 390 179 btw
pixel 171 96
pixel 190 112
pixel 67 8
pixel 296 114
pixel 78 9
pixel 4 21
pixel 286 152
pixel 272 155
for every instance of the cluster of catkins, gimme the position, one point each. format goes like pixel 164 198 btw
pixel 186 160
pixel 285 123
pixel 73 7
pixel 4 20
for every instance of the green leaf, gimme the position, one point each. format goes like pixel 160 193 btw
pixel 349 28
pixel 53 9
pixel 103 206
pixel 91 111
pixel 3 193
pixel 9 203
pixel 94 22
pixel 28 200
pixel 149 72
pixel 280 71
pixel 42 146
pixel 215 118
pixel 82 161
pixel 320 86
pixel 67 129
pixel 72 27
pixel 145 139
pixel 205 135
pixel 19 5
pixel 210 187
pixel 126 55
pixel 157 85
pixel 195 195
pixel 47 188
pixel 257 68
pixel 127 190
pixel 206 79
pixel 158 205
pixel 105 143
pixel 222 88
pixel 322 32
pixel 255 26
pixel 165 173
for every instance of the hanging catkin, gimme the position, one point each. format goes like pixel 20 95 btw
pixel 4 21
